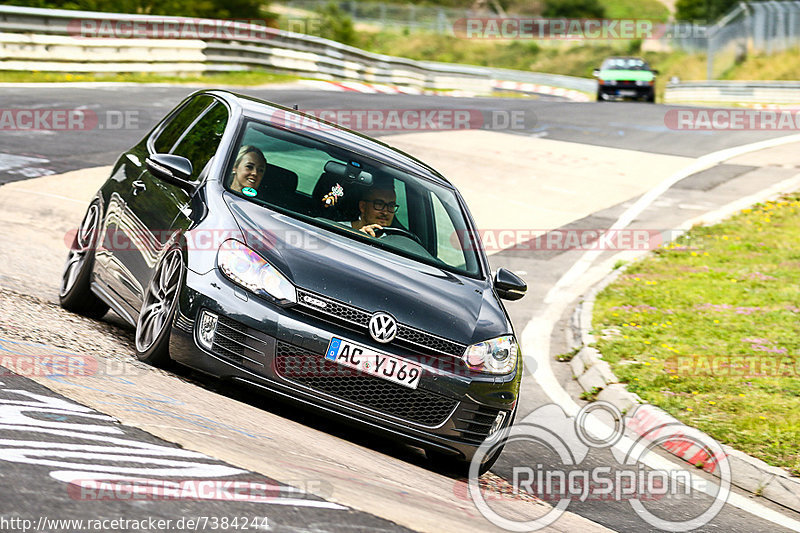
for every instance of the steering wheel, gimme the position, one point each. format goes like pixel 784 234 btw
pixel 401 232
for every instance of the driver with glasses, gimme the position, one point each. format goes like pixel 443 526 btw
pixel 377 210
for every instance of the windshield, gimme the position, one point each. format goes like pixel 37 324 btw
pixel 624 63
pixel 353 195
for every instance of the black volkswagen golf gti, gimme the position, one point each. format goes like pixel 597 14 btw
pixel 258 244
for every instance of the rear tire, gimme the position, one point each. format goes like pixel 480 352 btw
pixel 75 293
pixel 158 310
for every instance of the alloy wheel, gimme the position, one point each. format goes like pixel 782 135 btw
pixel 159 301
pixel 81 248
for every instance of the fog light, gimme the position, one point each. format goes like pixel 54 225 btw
pixel 207 327
pixel 498 423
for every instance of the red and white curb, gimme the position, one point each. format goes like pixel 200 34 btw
pixel 359 87
pixel 645 420
pixel 377 88
pixel 525 87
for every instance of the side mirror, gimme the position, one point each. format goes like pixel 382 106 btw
pixel 508 285
pixel 172 168
pixel 596 72
pixel 655 72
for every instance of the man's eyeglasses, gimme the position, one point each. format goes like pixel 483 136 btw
pixel 380 205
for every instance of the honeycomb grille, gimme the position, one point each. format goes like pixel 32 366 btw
pixel 314 371
pixel 438 344
pixel 239 344
pixel 474 423
pixel 229 339
pixel 340 312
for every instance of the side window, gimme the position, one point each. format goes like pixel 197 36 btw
pixel 448 248
pixel 402 213
pixel 166 140
pixel 200 143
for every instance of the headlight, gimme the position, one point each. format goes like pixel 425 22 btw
pixel 244 267
pixel 611 82
pixel 496 356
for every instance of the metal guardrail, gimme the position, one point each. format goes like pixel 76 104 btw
pixel 43 39
pixel 733 92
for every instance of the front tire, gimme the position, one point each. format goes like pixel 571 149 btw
pixel 458 466
pixel 75 293
pixel 158 309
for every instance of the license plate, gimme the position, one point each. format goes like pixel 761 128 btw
pixel 376 364
pixel 627 93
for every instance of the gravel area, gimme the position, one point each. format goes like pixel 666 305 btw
pixel 38 320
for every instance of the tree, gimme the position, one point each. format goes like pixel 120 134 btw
pixel 184 8
pixel 703 10
pixel 336 25
pixel 576 9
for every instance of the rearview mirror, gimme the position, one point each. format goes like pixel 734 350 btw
pixel 172 168
pixel 349 172
pixel 508 285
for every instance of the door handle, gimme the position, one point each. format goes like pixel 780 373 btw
pixel 138 186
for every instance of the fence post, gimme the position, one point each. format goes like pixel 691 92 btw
pixel 441 22
pixel 710 52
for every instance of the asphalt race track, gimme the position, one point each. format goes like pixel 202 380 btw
pixel 311 474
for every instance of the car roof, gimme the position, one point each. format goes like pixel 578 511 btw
pixel 334 134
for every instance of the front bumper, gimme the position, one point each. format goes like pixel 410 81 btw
pixel 626 90
pixel 281 351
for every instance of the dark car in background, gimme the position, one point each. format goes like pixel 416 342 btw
pixel 625 77
pixel 268 283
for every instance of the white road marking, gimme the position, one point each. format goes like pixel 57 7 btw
pixel 581 276
pixel 10 161
pixel 50 195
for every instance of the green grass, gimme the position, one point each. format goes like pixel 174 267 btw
pixel 221 78
pixel 636 9
pixel 728 290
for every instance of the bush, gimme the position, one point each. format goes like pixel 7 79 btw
pixel 703 10
pixel 184 8
pixel 576 9
pixel 336 25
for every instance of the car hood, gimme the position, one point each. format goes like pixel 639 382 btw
pixel 452 306
pixel 633 75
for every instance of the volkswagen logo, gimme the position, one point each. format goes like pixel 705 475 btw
pixel 383 327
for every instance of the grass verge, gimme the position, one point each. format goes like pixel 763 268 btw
pixel 708 329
